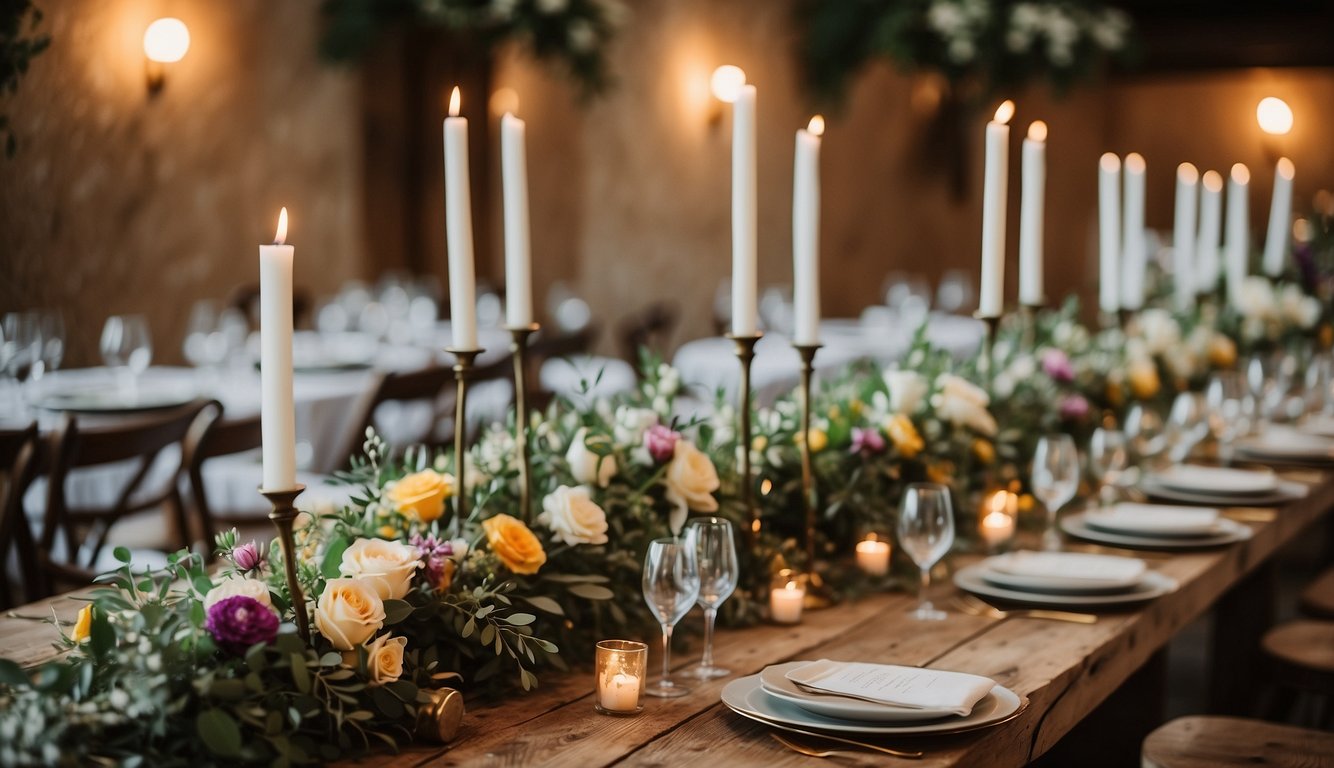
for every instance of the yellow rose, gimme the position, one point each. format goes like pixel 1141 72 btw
pixel 835 411
pixel 984 451
pixel 388 565
pixel 349 612
pixel 421 494
pixel 1222 351
pixel 515 545
pixel 691 480
pixel 819 440
pixel 84 625
pixel 900 430
pixel 1143 376
pixel 759 443
pixel 855 407
pixel 942 473
pixel 1027 502
pixel 384 659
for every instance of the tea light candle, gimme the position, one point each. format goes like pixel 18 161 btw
pixel 998 524
pixel 873 556
pixel 785 603
pixel 620 693
pixel 621 667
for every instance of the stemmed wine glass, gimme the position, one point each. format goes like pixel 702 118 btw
pixel 52 329
pixel 1230 411
pixel 1319 395
pixel 715 552
pixel 1109 458
pixel 1148 438
pixel 671 586
pixel 127 347
pixel 1187 425
pixel 22 337
pixel 1055 479
pixel 926 533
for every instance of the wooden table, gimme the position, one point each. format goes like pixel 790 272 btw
pixel 1065 670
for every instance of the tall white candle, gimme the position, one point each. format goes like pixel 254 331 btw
pixel 1236 247
pixel 1031 202
pixel 1280 215
pixel 745 304
pixel 1134 256
pixel 994 189
pixel 1211 222
pixel 278 416
pixel 458 229
pixel 1183 236
pixel 518 256
pixel 1109 233
pixel 806 233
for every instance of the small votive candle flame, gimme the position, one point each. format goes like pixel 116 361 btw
pixel 785 602
pixel 873 556
pixel 621 668
pixel 997 526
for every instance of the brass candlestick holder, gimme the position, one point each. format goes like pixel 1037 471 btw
pixel 1029 313
pixel 745 353
pixel 519 351
pixel 463 364
pixel 284 516
pixel 816 596
pixel 992 323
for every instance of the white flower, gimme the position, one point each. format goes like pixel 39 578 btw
pixel 387 565
pixel 691 480
pixel 573 516
pixel 1023 367
pixel 630 424
pixel 669 380
pixel 1255 299
pixel 238 586
pixel 384 659
pixel 349 612
pixel 906 390
pixel 961 50
pixel 582 36
pixel 1309 314
pixel 1160 331
pixel 588 467
pixel 963 404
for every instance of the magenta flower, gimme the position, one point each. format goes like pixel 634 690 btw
pixel 1074 408
pixel 1056 364
pixel 435 552
pixel 248 557
pixel 661 443
pixel 239 622
pixel 867 442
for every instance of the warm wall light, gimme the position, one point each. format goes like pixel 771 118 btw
pixel 504 100
pixel 1274 116
pixel 165 42
pixel 726 82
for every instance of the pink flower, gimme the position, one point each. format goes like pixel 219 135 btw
pixel 1056 364
pixel 248 557
pixel 1074 408
pixel 239 622
pixel 661 443
pixel 434 553
pixel 867 442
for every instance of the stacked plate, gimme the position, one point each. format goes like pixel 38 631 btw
pixel 1289 445
pixel 1070 579
pixel 1221 486
pixel 870 699
pixel 1157 526
pixel 146 397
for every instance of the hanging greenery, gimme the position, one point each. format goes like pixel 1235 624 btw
pixel 573 33
pixel 19 44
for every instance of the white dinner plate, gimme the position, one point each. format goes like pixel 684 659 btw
pixel 1193 478
pixel 1155 520
pixel 1287 444
pixel 774 682
pixel 112 401
pixel 1287 491
pixel 995 570
pixel 1229 531
pixel 1321 425
pixel 747 697
pixel 1153 584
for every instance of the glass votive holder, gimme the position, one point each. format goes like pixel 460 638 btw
pixel 997 521
pixel 787 595
pixel 621 668
pixel 873 555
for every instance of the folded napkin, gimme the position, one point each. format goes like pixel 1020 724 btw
pixel 1155 518
pixel 912 687
pixel 1069 565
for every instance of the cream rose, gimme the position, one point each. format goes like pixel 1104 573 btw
pixel 574 517
pixel 906 390
pixel 384 659
pixel 963 404
pixel 387 565
pixel 234 587
pixel 349 612
pixel 588 467
pixel 691 480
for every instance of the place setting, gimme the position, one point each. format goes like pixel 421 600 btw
pixel 1076 580
pixel 1220 486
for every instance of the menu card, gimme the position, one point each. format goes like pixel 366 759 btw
pixel 913 687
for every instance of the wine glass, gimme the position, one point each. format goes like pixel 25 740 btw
pixel 202 324
pixel 52 330
pixel 1109 458
pixel 1055 479
pixel 1148 437
pixel 926 533
pixel 1320 384
pixel 1187 424
pixel 127 347
pixel 671 586
pixel 955 293
pixel 715 553
pixel 1230 410
pixel 1269 379
pixel 22 334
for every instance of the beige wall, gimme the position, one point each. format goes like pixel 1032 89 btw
pixel 122 203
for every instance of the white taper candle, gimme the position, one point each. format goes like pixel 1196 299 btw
pixel 1134 255
pixel 1280 218
pixel 1211 223
pixel 458 230
pixel 1031 202
pixel 277 414
pixel 1183 237
pixel 745 303
pixel 991 300
pixel 806 233
pixel 1236 246
pixel 1109 233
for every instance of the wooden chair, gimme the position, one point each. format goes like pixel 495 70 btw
pixel 427 384
pixel 1217 742
pixel 82 531
pixel 246 298
pixel 19 453
pixel 213 437
pixel 650 328
pixel 1300 655
pixel 1317 600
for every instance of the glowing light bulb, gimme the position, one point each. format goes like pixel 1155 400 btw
pixel 166 40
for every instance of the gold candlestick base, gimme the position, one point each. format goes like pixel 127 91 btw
pixel 1030 313
pixel 463 364
pixel 808 501
pixel 284 516
pixel 992 323
pixel 519 351
pixel 439 720
pixel 745 353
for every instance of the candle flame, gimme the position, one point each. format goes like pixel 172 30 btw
pixel 454 102
pixel 1241 174
pixel 792 586
pixel 281 236
pixel 726 82
pixel 1005 111
pixel 1037 131
pixel 816 125
pixel 1134 163
pixel 1213 181
pixel 1109 162
pixel 1285 168
pixel 871 537
pixel 1187 173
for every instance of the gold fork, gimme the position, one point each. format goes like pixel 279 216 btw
pixel 815 752
pixel 972 605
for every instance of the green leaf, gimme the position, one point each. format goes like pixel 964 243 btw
pixel 122 554
pixel 219 732
pixel 330 567
pixel 521 619
pixel 300 674
pixel 488 634
pixel 397 610
pixel 544 604
pixel 591 592
pixel 101 635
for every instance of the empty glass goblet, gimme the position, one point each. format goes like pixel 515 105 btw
pixel 671 586
pixel 719 571
pixel 1055 479
pixel 926 533
pixel 1231 410
pixel 1109 458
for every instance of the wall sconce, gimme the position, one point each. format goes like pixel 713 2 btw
pixel 1275 119
pixel 165 42
pixel 725 84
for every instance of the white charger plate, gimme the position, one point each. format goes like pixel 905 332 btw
pixel 1219 481
pixel 774 682
pixel 1287 491
pixel 994 572
pixel 1153 584
pixel 747 697
pixel 1155 520
pixel 1287 444
pixel 1230 531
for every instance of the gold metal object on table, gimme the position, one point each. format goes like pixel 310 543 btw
pixel 905 754
pixel 463 363
pixel 519 351
pixel 1029 315
pixel 284 516
pixel 976 607
pixel 440 718
pixel 745 353
pixel 816 591
pixel 992 323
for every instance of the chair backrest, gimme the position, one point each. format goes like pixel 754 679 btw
pixel 210 437
pixel 19 457
pixel 426 384
pixel 545 346
pixel 650 328
pixel 84 529
pixel 246 298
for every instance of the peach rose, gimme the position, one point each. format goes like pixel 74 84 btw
pixel 691 480
pixel 421 494
pixel 349 612
pixel 384 659
pixel 515 545
pixel 388 565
